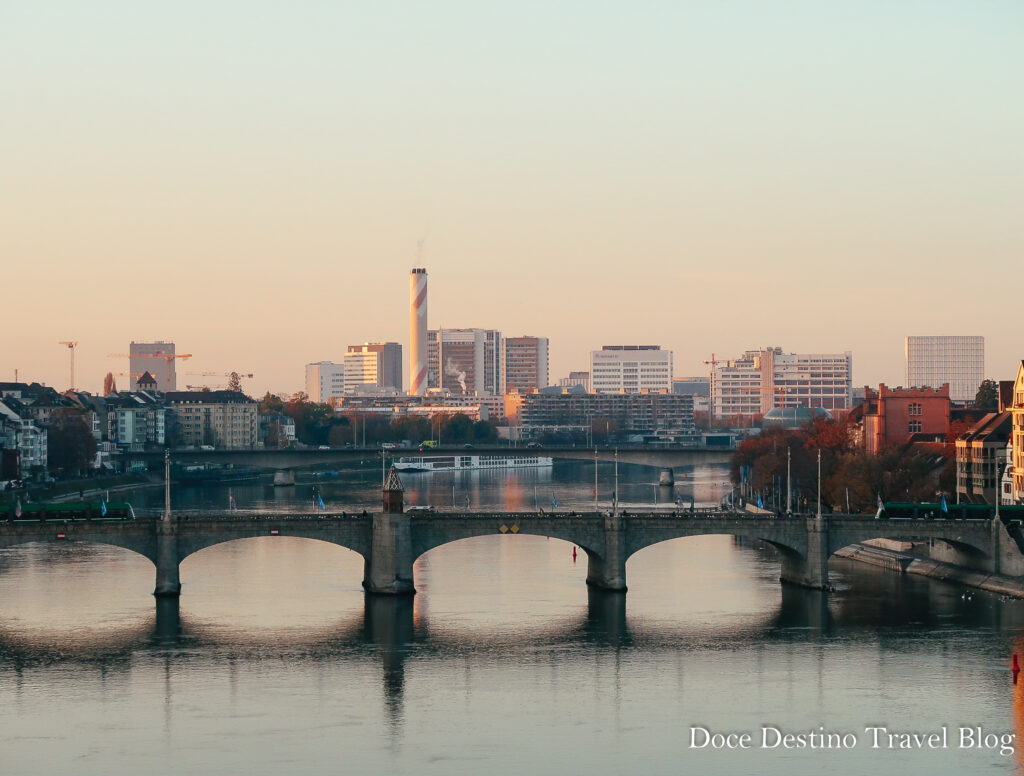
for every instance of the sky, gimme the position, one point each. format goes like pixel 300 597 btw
pixel 251 179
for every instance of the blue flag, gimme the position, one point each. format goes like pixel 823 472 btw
pixel 103 507
pixel 320 502
pixel 943 506
pixel 760 503
pixel 554 502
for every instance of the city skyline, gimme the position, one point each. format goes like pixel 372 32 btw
pixel 713 179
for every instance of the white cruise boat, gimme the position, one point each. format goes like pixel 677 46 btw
pixel 451 463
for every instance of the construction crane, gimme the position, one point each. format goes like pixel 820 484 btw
pixel 168 357
pixel 217 374
pixel 71 346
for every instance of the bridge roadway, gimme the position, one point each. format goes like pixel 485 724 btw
pixel 391 542
pixel 291 458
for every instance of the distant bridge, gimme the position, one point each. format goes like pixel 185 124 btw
pixel 291 458
pixel 391 542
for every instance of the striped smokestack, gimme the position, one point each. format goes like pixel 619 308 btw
pixel 418 332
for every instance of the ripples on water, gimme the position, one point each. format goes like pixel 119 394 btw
pixel 275 662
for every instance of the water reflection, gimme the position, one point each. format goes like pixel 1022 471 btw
pixel 274 660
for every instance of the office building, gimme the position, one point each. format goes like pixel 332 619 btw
pixel 526 364
pixel 373 365
pixel 158 359
pixel 581 379
pixel 631 369
pixel 465 361
pixel 761 380
pixel 957 361
pixel 620 413
pixel 325 380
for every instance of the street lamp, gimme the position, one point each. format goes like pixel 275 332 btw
pixel 789 483
pixel 819 483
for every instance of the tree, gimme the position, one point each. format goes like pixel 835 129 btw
pixel 277 437
pixel 340 432
pixel 485 431
pixel 109 384
pixel 71 447
pixel 987 397
pixel 235 382
pixel 270 404
pixel 456 429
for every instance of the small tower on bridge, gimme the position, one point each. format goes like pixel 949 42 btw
pixel 393 493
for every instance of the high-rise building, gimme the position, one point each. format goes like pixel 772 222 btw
pixel 761 380
pixel 465 361
pixel 959 361
pixel 158 359
pixel 418 332
pixel 325 380
pixel 526 364
pixel 375 364
pixel 630 369
pixel 582 379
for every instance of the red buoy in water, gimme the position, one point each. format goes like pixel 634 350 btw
pixel 574 560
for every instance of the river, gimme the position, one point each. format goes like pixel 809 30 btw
pixel 275 662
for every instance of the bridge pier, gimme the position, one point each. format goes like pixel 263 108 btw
pixel 608 571
pixel 168 581
pixel 388 567
pixel 809 570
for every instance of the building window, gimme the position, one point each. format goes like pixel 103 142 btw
pixel 914 426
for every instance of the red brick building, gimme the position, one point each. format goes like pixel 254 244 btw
pixel 892 416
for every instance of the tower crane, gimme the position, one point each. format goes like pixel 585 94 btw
pixel 71 347
pixel 218 374
pixel 167 357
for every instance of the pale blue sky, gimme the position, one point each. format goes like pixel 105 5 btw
pixel 250 179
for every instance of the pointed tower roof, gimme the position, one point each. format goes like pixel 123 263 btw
pixel 393 483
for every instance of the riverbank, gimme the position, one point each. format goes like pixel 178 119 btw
pixel 905 563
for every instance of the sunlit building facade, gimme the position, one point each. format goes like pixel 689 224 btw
pixel 465 361
pixel 631 369
pixel 956 361
pixel 761 380
pixel 526 364
pixel 325 380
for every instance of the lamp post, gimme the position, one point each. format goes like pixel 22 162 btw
pixel 167 485
pixel 819 483
pixel 789 483
pixel 595 479
pixel 615 495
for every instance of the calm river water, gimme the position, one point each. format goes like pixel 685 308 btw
pixel 275 662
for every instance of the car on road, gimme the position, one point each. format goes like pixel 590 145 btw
pixel 426 508
pixel 324 447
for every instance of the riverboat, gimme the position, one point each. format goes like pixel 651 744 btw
pixel 451 463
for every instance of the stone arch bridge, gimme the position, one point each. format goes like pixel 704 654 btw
pixel 390 542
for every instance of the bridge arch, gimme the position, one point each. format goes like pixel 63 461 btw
pixel 189 546
pixel 421 546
